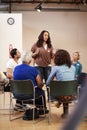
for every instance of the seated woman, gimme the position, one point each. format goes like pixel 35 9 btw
pixel 63 71
pixel 23 72
pixel 77 64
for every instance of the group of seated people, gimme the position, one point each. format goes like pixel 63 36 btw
pixel 64 69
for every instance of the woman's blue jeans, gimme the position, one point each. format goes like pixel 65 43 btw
pixel 44 72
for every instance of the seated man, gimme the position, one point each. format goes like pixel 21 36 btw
pixel 14 61
pixel 23 72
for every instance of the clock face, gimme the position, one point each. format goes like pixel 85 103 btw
pixel 10 21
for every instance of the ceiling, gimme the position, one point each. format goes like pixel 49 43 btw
pixel 45 5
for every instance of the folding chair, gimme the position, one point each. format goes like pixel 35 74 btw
pixel 61 88
pixel 81 78
pixel 24 87
pixel 81 83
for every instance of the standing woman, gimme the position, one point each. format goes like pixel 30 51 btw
pixel 76 63
pixel 42 52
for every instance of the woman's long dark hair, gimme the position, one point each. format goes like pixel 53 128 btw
pixel 40 40
pixel 62 57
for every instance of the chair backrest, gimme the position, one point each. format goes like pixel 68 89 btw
pixel 63 88
pixel 81 78
pixel 22 87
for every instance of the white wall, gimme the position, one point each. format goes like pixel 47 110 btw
pixel 68 30
pixel 9 34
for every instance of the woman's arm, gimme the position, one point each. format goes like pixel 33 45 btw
pixel 51 76
pixel 34 54
pixel 34 51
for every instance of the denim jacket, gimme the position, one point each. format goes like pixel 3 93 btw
pixel 78 67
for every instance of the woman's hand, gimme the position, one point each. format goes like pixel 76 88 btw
pixel 35 53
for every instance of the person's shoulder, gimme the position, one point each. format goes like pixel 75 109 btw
pixel 34 45
pixel 10 61
pixel 73 67
pixel 55 67
pixel 78 62
pixel 32 67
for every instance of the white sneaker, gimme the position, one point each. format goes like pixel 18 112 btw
pixel 19 107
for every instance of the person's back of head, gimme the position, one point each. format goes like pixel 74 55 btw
pixel 26 57
pixel 62 57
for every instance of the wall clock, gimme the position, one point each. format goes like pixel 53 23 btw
pixel 10 21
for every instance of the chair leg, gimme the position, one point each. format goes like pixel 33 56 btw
pixel 65 110
pixel 49 115
pixel 43 105
pixel 48 94
pixel 78 92
pixel 11 109
pixel 49 101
